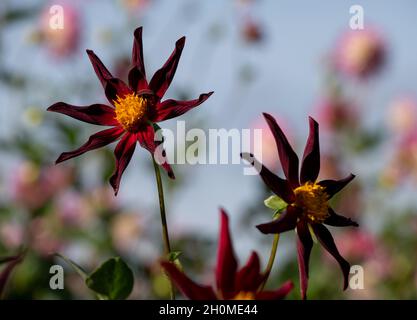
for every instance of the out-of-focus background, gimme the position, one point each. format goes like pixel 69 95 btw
pixel 289 58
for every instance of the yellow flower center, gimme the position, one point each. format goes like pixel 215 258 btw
pixel 244 295
pixel 313 199
pixel 132 110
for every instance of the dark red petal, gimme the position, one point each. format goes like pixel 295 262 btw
pixel 311 160
pixel 146 138
pixel 98 140
pixel 162 78
pixel 336 220
pixel 123 153
pixel 96 113
pixel 101 71
pixel 304 246
pixel 286 221
pixel 226 260
pixel 137 52
pixel 189 288
pixel 12 262
pixel 113 87
pixel 326 240
pixel 334 186
pixel 137 75
pixel 116 88
pixel 173 108
pixel 277 185
pixel 288 157
pixel 137 80
pixel 278 294
pixel 249 278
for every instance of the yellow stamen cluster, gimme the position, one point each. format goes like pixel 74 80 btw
pixel 245 295
pixel 313 199
pixel 132 109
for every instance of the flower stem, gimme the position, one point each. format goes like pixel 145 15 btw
pixel 165 235
pixel 270 261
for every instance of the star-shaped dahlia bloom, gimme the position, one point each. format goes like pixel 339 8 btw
pixel 232 283
pixel 307 199
pixel 134 109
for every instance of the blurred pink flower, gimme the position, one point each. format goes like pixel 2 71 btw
pixel 402 115
pixel 73 209
pixel 335 113
pixel 43 236
pixel 102 199
pixel 32 186
pixel 356 244
pixel 125 230
pixel 64 41
pixel 11 234
pixel 360 53
pixel 404 162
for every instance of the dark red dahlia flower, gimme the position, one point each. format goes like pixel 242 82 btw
pixel 134 109
pixel 308 208
pixel 232 283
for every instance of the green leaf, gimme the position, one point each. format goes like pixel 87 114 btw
pixel 275 203
pixel 112 280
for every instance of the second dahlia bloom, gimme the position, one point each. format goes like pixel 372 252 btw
pixel 134 109
pixel 232 283
pixel 307 199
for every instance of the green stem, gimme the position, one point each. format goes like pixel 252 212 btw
pixel 270 261
pixel 165 235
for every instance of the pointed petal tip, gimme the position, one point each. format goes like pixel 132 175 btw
pixel 267 116
pixel 287 287
pixel 171 175
pixel 180 42
pixel 223 215
pixel 311 119
pixel 61 158
pixel 113 185
pixel 56 106
pixel 138 30
pixel 263 228
pixel 289 284
pixel 346 276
